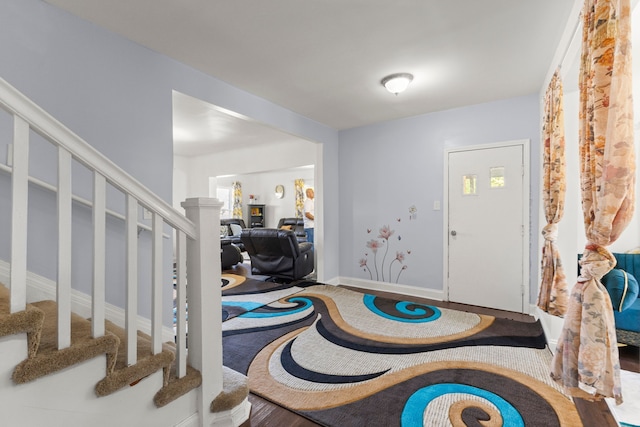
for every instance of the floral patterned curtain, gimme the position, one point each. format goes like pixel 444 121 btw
pixel 586 361
pixel 237 199
pixel 553 288
pixel 299 186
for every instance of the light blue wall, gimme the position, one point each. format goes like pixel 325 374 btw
pixel 388 167
pixel 117 96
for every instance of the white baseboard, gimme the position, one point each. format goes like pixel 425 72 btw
pixel 333 281
pixel 390 287
pixel 192 421
pixel 233 417
pixel 41 288
pixel 552 327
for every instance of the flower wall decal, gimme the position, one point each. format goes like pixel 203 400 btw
pixel 384 271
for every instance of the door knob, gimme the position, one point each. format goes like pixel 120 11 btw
pixel 453 232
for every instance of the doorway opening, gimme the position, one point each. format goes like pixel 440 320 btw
pixel 211 142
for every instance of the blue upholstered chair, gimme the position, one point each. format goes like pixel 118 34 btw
pixel 622 285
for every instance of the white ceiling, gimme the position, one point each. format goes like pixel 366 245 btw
pixel 201 128
pixel 324 59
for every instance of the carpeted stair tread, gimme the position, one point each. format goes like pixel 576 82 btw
pixel 147 362
pixel 49 359
pixel 235 389
pixel 177 387
pixel 27 321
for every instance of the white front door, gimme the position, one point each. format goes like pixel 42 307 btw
pixel 487 226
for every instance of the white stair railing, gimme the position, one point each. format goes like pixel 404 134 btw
pixel 19 209
pixel 198 246
pixel 204 278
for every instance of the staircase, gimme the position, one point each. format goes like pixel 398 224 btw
pixel 71 358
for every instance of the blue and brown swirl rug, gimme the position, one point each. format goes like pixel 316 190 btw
pixel 343 358
pixel 241 294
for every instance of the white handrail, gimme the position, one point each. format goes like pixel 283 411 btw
pixel 54 131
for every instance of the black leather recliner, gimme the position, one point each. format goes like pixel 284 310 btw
pixel 230 254
pixel 235 238
pixel 296 225
pixel 277 253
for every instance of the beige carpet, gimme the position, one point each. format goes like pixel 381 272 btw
pixel 39 322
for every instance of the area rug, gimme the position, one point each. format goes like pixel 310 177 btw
pixel 628 414
pixel 343 358
pixel 242 294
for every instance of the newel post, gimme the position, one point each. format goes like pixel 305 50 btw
pixel 204 300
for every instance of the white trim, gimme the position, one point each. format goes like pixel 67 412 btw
pixel 191 421
pixel 391 287
pixel 40 288
pixel 335 281
pixel 319 249
pixel 533 311
pixel 233 417
pixel 526 220
pixel 551 325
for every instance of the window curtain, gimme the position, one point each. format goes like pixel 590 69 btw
pixel 237 199
pixel 586 361
pixel 553 288
pixel 299 186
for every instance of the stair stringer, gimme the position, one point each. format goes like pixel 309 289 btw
pixel 67 398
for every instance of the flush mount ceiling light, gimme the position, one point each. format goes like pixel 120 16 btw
pixel 396 83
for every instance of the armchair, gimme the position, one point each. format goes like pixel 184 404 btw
pixel 277 253
pixel 233 228
pixel 230 254
pixel 296 225
pixel 622 286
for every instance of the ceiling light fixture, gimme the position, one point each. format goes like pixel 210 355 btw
pixel 396 83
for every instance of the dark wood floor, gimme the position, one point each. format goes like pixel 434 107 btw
pixel 593 414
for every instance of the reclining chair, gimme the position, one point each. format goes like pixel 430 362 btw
pixel 233 228
pixel 296 225
pixel 230 254
pixel 277 253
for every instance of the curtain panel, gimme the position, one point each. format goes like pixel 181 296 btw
pixel 586 360
pixel 554 290
pixel 299 186
pixel 237 199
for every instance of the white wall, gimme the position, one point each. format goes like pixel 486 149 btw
pixel 388 167
pixel 272 156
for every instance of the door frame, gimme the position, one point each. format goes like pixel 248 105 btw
pixel 526 195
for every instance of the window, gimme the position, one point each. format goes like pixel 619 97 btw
pixel 469 185
pixel 496 175
pixel 225 194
